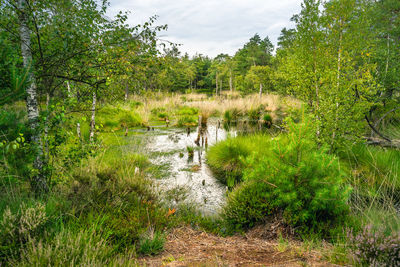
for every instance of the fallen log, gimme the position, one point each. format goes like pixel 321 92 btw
pixel 383 142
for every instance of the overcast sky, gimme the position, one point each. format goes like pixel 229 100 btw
pixel 211 27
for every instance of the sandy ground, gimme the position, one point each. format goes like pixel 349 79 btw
pixel 188 247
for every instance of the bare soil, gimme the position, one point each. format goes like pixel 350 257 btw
pixel 188 247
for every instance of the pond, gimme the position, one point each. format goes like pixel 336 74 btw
pixel 187 178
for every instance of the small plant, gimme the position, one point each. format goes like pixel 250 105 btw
pixel 375 248
pixel 152 244
pixel 188 111
pixel 253 115
pixel 190 151
pixel 187 120
pixel 232 115
pixel 267 120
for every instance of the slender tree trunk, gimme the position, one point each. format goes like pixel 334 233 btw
pixel 78 131
pixel 261 89
pixel 220 86
pixel 126 91
pixel 93 118
pixel 39 182
pixel 69 90
pixel 230 81
pixel 46 128
pixel 216 83
pixel 387 56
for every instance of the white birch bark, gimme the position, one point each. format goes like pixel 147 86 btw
pixel 93 118
pixel 39 181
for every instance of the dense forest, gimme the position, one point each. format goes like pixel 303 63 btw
pixel 118 149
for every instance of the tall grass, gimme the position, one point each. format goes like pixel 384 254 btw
pixel 214 106
pixel 226 158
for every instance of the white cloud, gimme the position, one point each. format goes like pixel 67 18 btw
pixel 211 27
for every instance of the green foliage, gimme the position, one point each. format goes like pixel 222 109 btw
pixel 254 115
pixel 232 115
pixel 152 244
pixel 16 154
pixel 190 151
pixel 248 204
pixel 116 118
pixel 83 248
pixel 187 111
pixel 186 121
pixel 17 228
pixel 378 168
pixel 227 158
pixel 296 178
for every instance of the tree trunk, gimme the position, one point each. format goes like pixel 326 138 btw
pixel 69 90
pixel 46 128
pixel 261 89
pixel 93 118
pixel 39 182
pixel 78 131
pixel 126 91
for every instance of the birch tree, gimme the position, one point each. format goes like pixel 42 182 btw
pixel 38 180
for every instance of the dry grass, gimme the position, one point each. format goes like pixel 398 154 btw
pixel 209 106
pixel 272 103
pixel 188 247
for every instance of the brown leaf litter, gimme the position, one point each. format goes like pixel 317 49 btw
pixel 188 247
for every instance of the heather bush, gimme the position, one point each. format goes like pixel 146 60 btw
pixel 373 247
pixel 17 228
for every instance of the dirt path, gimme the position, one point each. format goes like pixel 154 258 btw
pixel 188 247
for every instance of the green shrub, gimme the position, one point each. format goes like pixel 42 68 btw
pixel 135 104
pixel 152 243
pixel 247 205
pixel 80 249
pixel 129 119
pixel 232 115
pixel 114 117
pixel 186 121
pixel 298 179
pixel 254 115
pixel 185 110
pixel 17 228
pixel 123 196
pixel 267 118
pixel 227 158
pixel 155 111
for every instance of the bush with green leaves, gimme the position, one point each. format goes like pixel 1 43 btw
pixel 297 178
pixel 227 158
pixel 151 243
